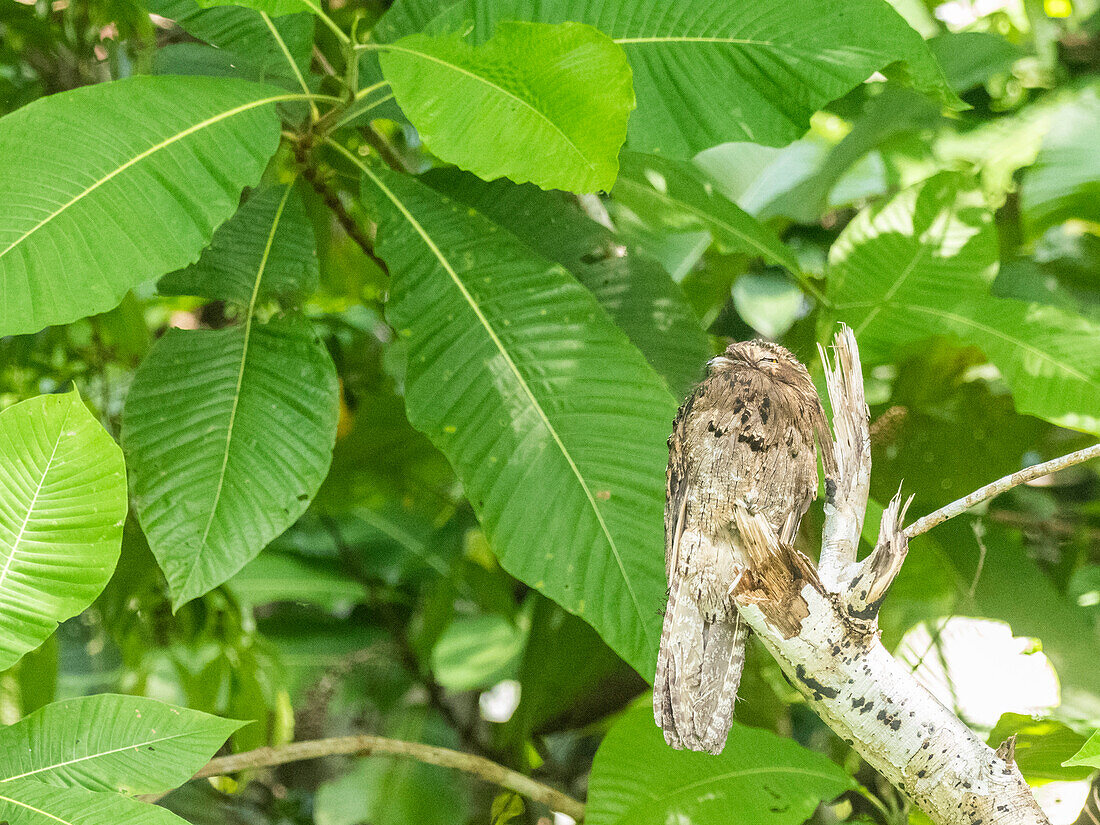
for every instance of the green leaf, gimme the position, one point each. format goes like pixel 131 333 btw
pixel 711 73
pixel 279 577
pixel 390 790
pixel 971 58
pixel 109 185
pixel 1043 747
pixel 277 50
pixel 111 743
pixel 1089 754
pixel 26 802
pixel 228 434
pixel 521 379
pixel 672 195
pixel 1064 181
pixel 920 265
pixel 637 293
pixel 271 230
pixel 759 779
pixel 276 8
pixel 535 102
pixel 62 504
pixel 477 652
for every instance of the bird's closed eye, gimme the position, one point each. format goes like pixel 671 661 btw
pixel 768 359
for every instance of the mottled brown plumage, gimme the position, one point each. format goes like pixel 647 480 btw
pixel 743 439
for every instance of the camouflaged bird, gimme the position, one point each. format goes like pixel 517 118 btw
pixel 743 439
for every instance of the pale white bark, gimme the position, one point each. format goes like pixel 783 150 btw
pixel 832 653
pixel 846 495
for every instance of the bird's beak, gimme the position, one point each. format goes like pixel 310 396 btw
pixel 718 360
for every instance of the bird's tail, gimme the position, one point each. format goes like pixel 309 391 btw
pixel 698 671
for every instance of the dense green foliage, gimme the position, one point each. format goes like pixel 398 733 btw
pixel 378 317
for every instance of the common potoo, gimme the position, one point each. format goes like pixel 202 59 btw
pixel 743 439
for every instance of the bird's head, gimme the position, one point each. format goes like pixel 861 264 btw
pixel 771 359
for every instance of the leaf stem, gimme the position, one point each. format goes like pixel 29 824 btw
pixel 923 525
pixel 314 113
pixel 369 745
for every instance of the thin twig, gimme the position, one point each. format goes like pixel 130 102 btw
pixel 367 745
pixel 1001 485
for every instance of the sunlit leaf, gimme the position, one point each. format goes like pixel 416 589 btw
pixel 1089 755
pixel 106 186
pixel 26 802
pixel 1043 747
pixel 671 194
pixel 535 102
pixel 1064 181
pixel 716 72
pixel 111 743
pixel 518 375
pixel 759 779
pixel 921 264
pixel 62 504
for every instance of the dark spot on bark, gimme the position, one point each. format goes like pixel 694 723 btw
pixel 836 650
pixel 830 489
pixel 755 442
pixel 895 724
pixel 765 409
pixel 920 774
pixel 710 426
pixel 819 690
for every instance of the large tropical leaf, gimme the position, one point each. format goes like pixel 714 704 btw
pixel 920 265
pixel 671 194
pixel 26 802
pixel 106 186
pixel 228 434
pixel 1064 181
pixel 636 292
pixel 62 504
pixel 708 73
pixel 111 743
pixel 518 375
pixel 535 102
pixel 226 271
pixel 759 779
pixel 277 50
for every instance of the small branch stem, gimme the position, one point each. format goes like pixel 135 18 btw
pixel 1001 485
pixel 367 745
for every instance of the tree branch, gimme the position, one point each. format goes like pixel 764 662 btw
pixel 1001 485
pixel 822 628
pixel 368 745
pixel 846 502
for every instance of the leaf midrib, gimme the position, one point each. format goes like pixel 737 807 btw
pixel 519 378
pixel 190 130
pixel 249 316
pixel 34 498
pixel 707 217
pixel 584 159
pixel 100 755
